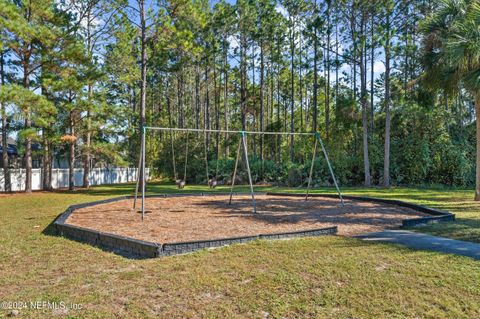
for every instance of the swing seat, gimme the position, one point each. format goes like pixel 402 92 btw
pixel 180 183
pixel 212 182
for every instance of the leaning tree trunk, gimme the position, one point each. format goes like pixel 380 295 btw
pixel 477 185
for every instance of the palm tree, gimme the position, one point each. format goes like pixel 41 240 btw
pixel 452 54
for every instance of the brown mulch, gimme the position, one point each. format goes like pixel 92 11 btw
pixel 188 218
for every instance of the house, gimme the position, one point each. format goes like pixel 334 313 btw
pixel 11 150
pixel 15 159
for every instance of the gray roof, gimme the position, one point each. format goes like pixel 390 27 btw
pixel 12 148
pixel 10 141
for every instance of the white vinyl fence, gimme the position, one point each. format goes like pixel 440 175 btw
pixel 98 176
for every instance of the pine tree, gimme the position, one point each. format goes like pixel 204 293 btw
pixel 30 27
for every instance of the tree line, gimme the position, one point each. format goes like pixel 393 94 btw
pixel 382 81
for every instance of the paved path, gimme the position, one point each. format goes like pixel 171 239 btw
pixel 425 242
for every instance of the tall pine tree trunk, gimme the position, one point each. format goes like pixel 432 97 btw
pixel 225 94
pixel 279 137
pixel 88 137
pixel 243 79
pixel 364 104
pixel 143 88
pixel 292 91
pixel 327 86
pixel 86 157
pixel 206 123
pixel 46 185
pixel 337 65
pixel 386 159
pixel 28 138
pixel 372 63
pixel 315 76
pixel 46 181
pixel 5 163
pixel 300 80
pixel 262 84
pixel 197 97
pixel 216 102
pixel 477 185
pixel 71 160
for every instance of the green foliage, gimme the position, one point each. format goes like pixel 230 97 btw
pixel 203 59
pixel 41 109
pixel 452 46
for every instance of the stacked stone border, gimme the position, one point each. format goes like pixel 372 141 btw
pixel 134 248
pixel 437 214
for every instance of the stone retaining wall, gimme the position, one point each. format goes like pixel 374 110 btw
pixel 135 248
pixel 185 247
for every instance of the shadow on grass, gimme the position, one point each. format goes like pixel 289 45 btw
pixel 51 230
pixel 467 229
pixel 103 190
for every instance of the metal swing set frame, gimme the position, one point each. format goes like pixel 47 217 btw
pixel 241 144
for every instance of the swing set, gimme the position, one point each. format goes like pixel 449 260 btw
pixel 180 183
pixel 212 180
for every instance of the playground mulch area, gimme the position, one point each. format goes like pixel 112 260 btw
pixel 189 218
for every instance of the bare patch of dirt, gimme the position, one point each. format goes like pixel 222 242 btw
pixel 188 218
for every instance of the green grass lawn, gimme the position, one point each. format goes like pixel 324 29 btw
pixel 312 277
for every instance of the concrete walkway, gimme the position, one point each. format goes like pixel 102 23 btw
pixel 425 242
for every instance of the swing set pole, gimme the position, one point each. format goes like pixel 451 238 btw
pixel 234 174
pixel 186 160
pixel 244 139
pixel 143 172
pixel 311 168
pixel 173 157
pixel 252 193
pixel 138 176
pixel 317 134
pixel 206 154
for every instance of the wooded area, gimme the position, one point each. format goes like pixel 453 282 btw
pixel 392 86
